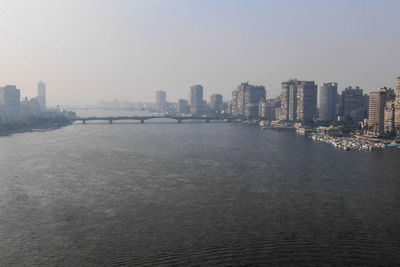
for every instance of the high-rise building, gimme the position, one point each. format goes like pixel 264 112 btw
pixel 327 101
pixel 233 105
pixel 339 104
pixel 353 103
pixel 224 109
pixel 365 105
pixel 388 117
pixel 196 99
pixel 42 95
pixel 253 96
pixel 268 109
pixel 377 104
pixel 306 100
pixel 397 108
pixel 298 100
pixel 246 99
pixel 161 100
pixel 10 101
pixel 263 111
pixel 398 89
pixel 241 91
pixel 205 108
pixel 284 109
pixel 216 103
pixel 278 108
pixel 183 106
pixel 289 100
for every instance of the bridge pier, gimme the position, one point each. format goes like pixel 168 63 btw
pixel 141 121
pixel 110 121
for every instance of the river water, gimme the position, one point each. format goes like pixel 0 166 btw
pixel 163 193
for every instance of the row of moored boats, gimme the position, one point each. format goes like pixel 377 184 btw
pixel 348 143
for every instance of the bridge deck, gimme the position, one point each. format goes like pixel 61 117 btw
pixel 143 118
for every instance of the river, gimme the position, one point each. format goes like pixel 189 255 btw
pixel 163 193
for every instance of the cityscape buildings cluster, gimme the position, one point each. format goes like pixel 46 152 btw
pixel 298 101
pixel 246 100
pixel 377 113
pixel 196 106
pixel 11 106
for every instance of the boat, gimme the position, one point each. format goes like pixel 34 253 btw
pixel 393 144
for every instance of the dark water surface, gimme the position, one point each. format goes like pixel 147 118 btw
pixel 194 194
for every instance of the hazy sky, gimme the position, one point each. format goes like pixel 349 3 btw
pixel 90 50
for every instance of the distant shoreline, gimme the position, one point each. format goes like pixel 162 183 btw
pixel 33 125
pixel 30 130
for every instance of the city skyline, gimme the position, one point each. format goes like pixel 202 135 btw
pixel 200 132
pixel 112 51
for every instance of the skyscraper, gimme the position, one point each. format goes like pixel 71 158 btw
pixel 365 105
pixel 353 103
pixel 388 117
pixel 288 109
pixel 42 95
pixel 377 103
pixel 298 100
pixel 253 96
pixel 216 103
pixel 268 108
pixel 306 100
pixel 397 108
pixel 161 100
pixel 234 104
pixel 327 101
pixel 196 99
pixel 10 101
pixel 246 99
pixel 284 109
pixel 398 89
pixel 183 106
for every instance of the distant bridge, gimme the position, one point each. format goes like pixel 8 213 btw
pixel 179 119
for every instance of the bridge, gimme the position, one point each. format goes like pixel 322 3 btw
pixel 179 119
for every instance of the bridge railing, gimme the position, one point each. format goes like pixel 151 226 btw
pixel 143 118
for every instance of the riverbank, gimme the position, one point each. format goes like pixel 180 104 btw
pixel 33 124
pixel 349 142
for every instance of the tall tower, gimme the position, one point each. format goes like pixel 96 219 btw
pixel 161 100
pixel 216 103
pixel 397 108
pixel 353 103
pixel 289 100
pixel 298 100
pixel 327 100
pixel 306 100
pixel 246 99
pixel 253 96
pixel 42 94
pixel 196 99
pixel 398 89
pixel 10 102
pixel 234 103
pixel 377 103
